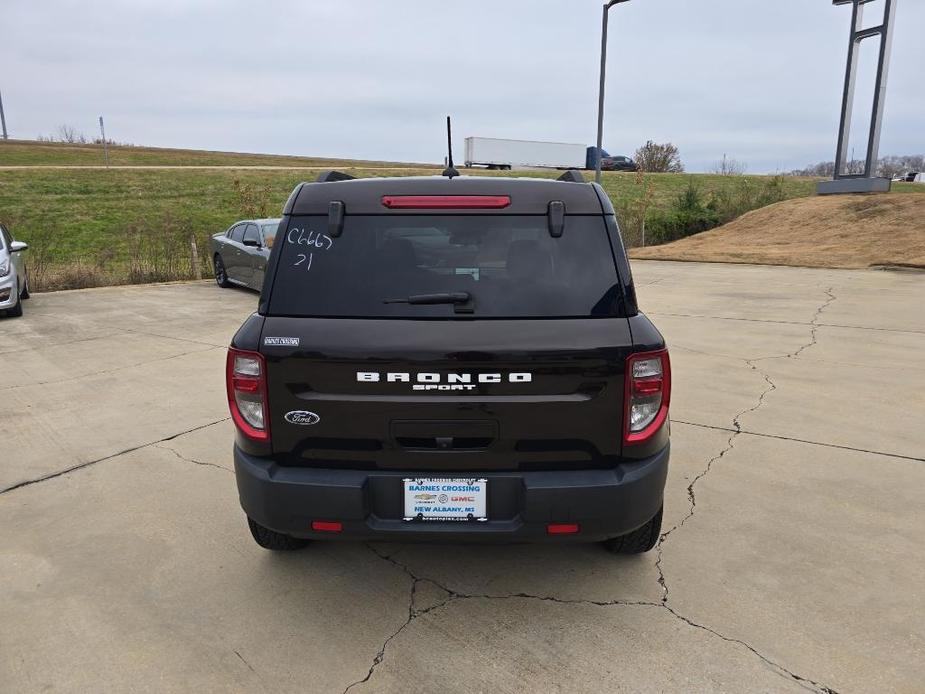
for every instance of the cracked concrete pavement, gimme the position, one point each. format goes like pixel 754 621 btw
pixel 790 559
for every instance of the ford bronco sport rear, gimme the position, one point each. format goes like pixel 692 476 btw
pixel 439 358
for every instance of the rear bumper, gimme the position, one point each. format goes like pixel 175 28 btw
pixel 605 503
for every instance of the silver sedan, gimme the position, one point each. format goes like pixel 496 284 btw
pixel 14 283
pixel 239 254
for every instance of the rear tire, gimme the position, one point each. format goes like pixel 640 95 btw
pixel 221 274
pixel 272 540
pixel 640 540
pixel 24 294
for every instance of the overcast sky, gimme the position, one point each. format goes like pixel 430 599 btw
pixel 760 80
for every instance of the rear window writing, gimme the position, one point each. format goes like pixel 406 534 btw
pixel 269 234
pixel 509 266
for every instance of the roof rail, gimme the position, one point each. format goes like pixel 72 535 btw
pixel 332 175
pixel 572 176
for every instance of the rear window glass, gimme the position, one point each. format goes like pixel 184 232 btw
pixel 508 266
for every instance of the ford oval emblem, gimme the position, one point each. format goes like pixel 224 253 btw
pixel 302 417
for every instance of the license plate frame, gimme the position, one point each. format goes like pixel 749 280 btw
pixel 446 499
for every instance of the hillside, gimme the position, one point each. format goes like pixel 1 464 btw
pixel 851 231
pixel 31 153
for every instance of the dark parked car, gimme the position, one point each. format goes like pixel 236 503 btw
pixel 450 359
pixel 618 163
pixel 239 255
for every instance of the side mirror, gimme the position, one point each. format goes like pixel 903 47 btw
pixel 253 243
pixel 18 246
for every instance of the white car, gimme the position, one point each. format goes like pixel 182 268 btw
pixel 14 284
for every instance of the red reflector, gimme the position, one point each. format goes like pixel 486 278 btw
pixel 246 385
pixel 327 526
pixel 436 202
pixel 562 528
pixel 647 386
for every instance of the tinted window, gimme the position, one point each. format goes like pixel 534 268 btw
pixel 509 265
pixel 251 233
pixel 269 234
pixel 237 234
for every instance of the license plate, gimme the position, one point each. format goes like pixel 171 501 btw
pixel 445 499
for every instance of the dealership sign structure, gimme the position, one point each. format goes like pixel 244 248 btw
pixel 865 182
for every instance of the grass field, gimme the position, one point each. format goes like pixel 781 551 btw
pixel 29 153
pixel 89 209
pixel 98 219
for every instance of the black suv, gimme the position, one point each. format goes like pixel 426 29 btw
pixel 450 358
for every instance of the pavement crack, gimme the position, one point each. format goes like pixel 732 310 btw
pixel 735 431
pixel 64 343
pixel 81 466
pixel 413 613
pixel 700 316
pixel 814 323
pixel 192 460
pixel 455 595
pixel 108 371
pixel 173 337
pixel 806 682
pixel 809 442
pixel 249 666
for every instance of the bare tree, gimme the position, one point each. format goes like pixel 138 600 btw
pixel 659 158
pixel 855 167
pixel 887 166
pixel 730 167
pixel 70 134
pixel 822 169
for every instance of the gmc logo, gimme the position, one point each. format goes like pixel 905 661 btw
pixel 435 381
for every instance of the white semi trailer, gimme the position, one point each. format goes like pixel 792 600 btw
pixel 503 154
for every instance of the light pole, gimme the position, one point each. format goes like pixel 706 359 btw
pixel 600 96
pixel 2 120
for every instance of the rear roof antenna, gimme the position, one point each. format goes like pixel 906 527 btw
pixel 450 170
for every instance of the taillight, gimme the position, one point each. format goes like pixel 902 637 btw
pixel 246 380
pixel 648 392
pixel 437 202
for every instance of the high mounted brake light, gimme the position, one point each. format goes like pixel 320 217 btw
pixel 443 202
pixel 246 382
pixel 647 395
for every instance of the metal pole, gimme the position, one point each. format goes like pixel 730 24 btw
pixel 105 143
pixel 600 97
pixel 844 128
pixel 876 118
pixel 3 119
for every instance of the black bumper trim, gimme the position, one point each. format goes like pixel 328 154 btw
pixel 606 503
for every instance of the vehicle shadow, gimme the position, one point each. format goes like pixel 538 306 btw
pixel 566 572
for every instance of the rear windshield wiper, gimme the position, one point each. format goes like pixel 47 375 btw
pixel 441 298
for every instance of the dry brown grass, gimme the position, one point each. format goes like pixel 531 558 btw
pixel 840 231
